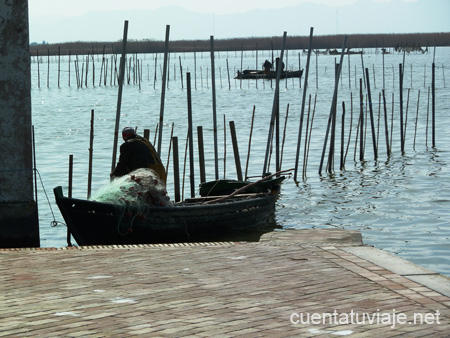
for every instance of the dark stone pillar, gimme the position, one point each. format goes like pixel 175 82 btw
pixel 19 225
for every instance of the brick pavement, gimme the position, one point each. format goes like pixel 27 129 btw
pixel 212 290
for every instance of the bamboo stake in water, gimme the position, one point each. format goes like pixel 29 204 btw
pixel 428 118
pixel 308 138
pixel 213 81
pixel 372 125
pixel 119 97
pixel 176 169
pixel 48 68
pixel 350 129
pixel 275 108
pixel 91 150
pixel 190 133
pixel 237 158
pixel 402 140
pixel 39 74
pixel 305 88
pixel 224 147
pixel 361 121
pixel 228 72
pixel 170 148
pixel 201 154
pixel 249 143
pixel 333 105
pixel 163 89
pixel 342 137
pixel 181 72
pixel 69 194
pixel 386 128
pixel 284 135
pixel 433 106
pixel 59 63
pixel 184 165
pixel 406 115
pixel 417 118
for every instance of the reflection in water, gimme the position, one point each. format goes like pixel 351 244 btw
pixel 397 204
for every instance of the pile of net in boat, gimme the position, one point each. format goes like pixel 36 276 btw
pixel 140 188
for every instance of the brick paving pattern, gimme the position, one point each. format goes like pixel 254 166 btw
pixel 209 290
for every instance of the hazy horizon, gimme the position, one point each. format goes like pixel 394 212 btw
pixel 56 21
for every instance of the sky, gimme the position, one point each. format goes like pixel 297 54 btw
pixel 45 8
pixel 102 20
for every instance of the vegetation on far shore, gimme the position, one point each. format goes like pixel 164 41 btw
pixel 408 42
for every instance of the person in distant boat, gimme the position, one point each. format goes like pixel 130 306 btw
pixel 277 64
pixel 267 65
pixel 137 152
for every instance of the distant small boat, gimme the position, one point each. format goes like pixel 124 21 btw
pixel 261 74
pixel 347 52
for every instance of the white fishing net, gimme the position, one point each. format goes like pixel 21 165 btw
pixel 140 188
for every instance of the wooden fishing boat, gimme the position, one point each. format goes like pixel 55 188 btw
pixel 226 187
pixel 195 219
pixel 261 74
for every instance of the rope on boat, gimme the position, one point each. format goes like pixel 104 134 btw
pixel 53 223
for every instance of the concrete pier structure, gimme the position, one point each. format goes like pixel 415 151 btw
pixel 19 226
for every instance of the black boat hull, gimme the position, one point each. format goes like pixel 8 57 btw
pixel 95 223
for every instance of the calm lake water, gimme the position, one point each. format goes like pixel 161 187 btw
pixel 399 203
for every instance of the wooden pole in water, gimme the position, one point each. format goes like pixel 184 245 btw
pixel 119 97
pixel 39 75
pixel 176 169
pixel 249 143
pixel 213 81
pixel 59 63
pixel 82 74
pixel 163 89
pixel 284 135
pixel 350 129
pixel 48 68
pixel 181 72
pixel 361 121
pixel 184 165
pixel 433 106
pixel 308 140
pixel 242 59
pixel 69 194
pixel 170 148
pixel 386 128
pixel 417 118
pixel 201 154
pixel 302 113
pixel 224 147
pixel 195 68
pixel 275 108
pixel 402 143
pixel 237 159
pixel 191 139
pixel 228 72
pixel 91 150
pixel 333 105
pixel 372 124
pixel 330 166
pixel 156 67
pixel 68 67
pixel 406 115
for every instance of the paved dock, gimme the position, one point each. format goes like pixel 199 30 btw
pixel 303 283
